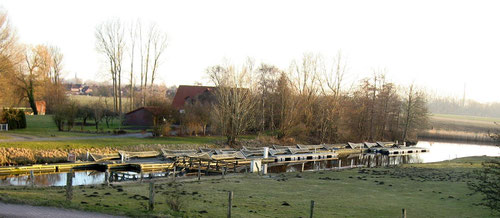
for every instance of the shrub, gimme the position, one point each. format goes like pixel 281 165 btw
pixel 15 118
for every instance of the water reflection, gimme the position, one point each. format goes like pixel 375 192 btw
pixel 439 151
pixel 55 179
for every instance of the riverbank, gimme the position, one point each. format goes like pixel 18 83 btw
pixel 424 190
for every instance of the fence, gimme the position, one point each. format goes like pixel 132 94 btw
pixel 4 127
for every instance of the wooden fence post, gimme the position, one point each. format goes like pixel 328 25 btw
pixel 312 209
pixel 151 195
pixel 107 177
pixel 224 172
pixel 302 169
pixel 32 178
pixel 174 170
pixel 142 176
pixel 199 170
pixel 230 204
pixel 208 168
pixel 69 185
pixel 403 213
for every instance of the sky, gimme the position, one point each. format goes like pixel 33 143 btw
pixel 442 46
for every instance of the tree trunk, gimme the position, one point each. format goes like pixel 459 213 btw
pixel 31 99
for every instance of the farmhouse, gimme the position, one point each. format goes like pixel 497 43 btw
pixel 191 94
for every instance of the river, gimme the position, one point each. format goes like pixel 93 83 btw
pixel 439 151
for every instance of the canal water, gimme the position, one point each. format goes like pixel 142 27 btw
pixel 439 151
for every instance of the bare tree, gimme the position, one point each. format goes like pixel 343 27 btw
pixel 414 111
pixel 133 36
pixel 152 47
pixel 234 100
pixel 110 38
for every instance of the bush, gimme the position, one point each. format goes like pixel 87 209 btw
pixel 65 114
pixel 161 130
pixel 15 118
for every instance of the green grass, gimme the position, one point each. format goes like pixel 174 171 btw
pixel 44 126
pixel 432 190
pixel 111 142
pixel 469 118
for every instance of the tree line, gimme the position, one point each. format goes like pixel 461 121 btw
pixel 308 102
pixel 449 105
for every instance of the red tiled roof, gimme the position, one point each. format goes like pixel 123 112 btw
pixel 184 92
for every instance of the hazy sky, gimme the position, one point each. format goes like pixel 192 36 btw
pixel 440 45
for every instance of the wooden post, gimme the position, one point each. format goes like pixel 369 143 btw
pixel 199 170
pixel 224 172
pixel 230 204
pixel 69 185
pixel 151 195
pixel 312 209
pixel 403 215
pixel 340 163
pixel 302 169
pixel 352 161
pixel 208 168
pixel 142 175
pixel 174 170
pixel 32 178
pixel 107 177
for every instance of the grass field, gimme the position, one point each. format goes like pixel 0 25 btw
pixel 44 126
pixel 86 100
pixel 463 123
pixel 461 128
pixel 424 190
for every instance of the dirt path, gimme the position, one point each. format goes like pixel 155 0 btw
pixel 18 210
pixel 23 138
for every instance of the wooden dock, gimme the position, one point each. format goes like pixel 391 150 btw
pixel 401 151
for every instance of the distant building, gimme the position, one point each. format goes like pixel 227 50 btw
pixel 78 89
pixel 191 94
pixel 140 117
pixel 41 107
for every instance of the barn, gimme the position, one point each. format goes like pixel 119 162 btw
pixel 142 116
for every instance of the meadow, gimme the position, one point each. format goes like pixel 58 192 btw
pixel 424 190
pixel 461 128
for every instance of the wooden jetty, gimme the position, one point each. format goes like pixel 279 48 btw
pixel 401 151
pixel 209 160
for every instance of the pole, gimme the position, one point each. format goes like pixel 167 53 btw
pixel 230 204
pixel 199 170
pixel 107 177
pixel 32 178
pixel 312 209
pixel 69 185
pixel 403 215
pixel 151 195
pixel 266 155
